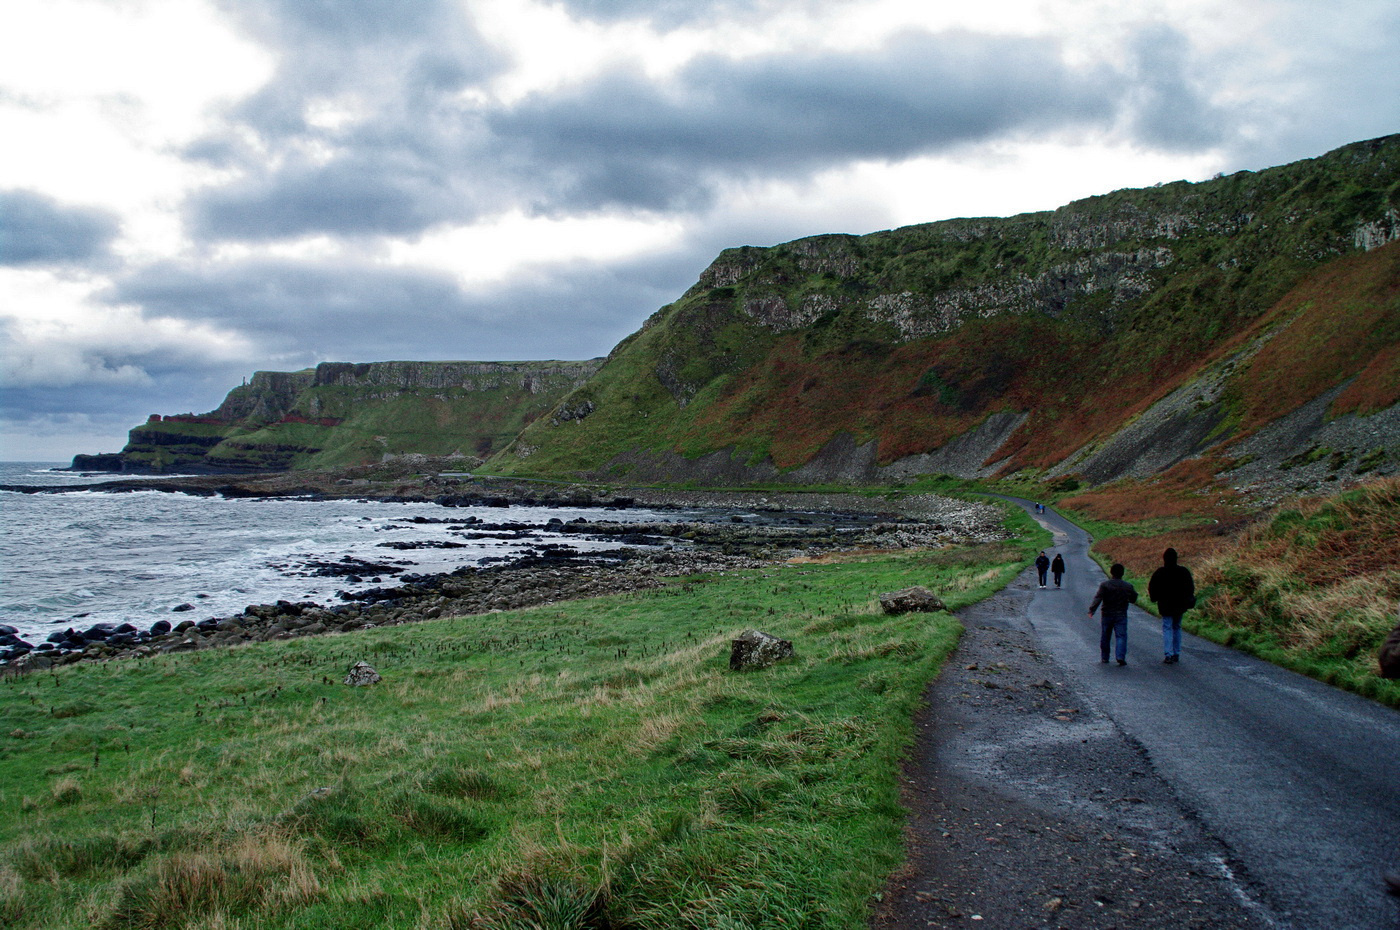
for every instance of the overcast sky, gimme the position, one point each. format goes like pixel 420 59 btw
pixel 191 191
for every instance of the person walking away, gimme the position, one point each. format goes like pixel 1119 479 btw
pixel 1114 595
pixel 1173 590
pixel 1042 565
pixel 1057 568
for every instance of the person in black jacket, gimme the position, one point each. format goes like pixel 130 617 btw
pixel 1057 568
pixel 1114 595
pixel 1042 565
pixel 1173 590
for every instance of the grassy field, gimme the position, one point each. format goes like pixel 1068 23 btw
pixel 587 764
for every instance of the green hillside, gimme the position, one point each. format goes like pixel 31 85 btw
pixel 342 414
pixel 1069 325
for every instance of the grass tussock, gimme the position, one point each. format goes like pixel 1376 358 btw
pixel 255 873
pixel 1314 588
pixel 592 764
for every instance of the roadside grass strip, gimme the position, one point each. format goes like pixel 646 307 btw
pixel 1314 588
pixel 585 764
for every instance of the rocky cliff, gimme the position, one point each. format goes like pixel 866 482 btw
pixel 1119 335
pixel 344 414
pixel 1246 327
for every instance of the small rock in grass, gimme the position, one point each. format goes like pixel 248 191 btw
pixel 753 649
pixel 361 674
pixel 910 600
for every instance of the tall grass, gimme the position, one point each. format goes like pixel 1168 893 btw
pixel 591 764
pixel 1314 588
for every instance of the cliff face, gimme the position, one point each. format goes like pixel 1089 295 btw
pixel 342 414
pixel 1250 324
pixel 1118 335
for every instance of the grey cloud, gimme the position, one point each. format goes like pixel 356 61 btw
pixel 393 167
pixel 355 21
pixel 394 53
pixel 668 12
pixel 368 313
pixel 53 424
pixel 360 194
pixel 1326 86
pixel 1167 107
pixel 624 140
pixel 37 230
pixel 789 115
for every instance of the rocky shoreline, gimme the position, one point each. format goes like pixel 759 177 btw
pixel 745 530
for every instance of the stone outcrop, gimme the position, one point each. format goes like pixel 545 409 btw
pixel 362 674
pixel 915 599
pixel 753 649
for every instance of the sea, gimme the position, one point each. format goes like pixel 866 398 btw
pixel 84 557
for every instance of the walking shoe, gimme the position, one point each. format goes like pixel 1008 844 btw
pixel 1392 883
pixel 1122 661
pixel 1167 660
pixel 1176 659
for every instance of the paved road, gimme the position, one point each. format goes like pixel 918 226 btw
pixel 1300 781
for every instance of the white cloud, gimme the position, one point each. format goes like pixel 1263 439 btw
pixel 58 335
pixel 503 247
pixel 96 97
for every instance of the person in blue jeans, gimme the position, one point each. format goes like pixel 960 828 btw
pixel 1042 565
pixel 1114 595
pixel 1173 590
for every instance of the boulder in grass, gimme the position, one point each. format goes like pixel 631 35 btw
pixel 916 599
pixel 752 649
pixel 361 674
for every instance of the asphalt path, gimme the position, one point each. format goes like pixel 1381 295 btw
pixel 1298 780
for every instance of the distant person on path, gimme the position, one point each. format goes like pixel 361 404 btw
pixel 1173 590
pixel 1042 565
pixel 1057 568
pixel 1114 595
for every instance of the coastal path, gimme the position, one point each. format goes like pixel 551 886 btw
pixel 1049 790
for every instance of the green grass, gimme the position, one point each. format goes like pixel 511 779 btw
pixel 1313 588
pixel 579 765
pixel 1335 661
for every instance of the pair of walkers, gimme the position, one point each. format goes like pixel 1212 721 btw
pixel 1043 565
pixel 1171 588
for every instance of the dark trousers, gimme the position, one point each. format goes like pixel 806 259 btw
pixel 1116 629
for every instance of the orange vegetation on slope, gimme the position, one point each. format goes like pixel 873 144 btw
pixel 1207 515
pixel 914 397
pixel 1342 321
pixel 1321 574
